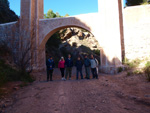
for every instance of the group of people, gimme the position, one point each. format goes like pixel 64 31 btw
pixel 65 67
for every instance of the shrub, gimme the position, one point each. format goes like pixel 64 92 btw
pixel 129 73
pixel 137 72
pixel 132 64
pixel 97 52
pixel 147 71
pixel 120 69
pixel 4 49
pixel 7 74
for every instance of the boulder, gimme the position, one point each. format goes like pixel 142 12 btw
pixel 67 34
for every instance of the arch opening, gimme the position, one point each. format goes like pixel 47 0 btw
pixel 76 41
pixel 54 30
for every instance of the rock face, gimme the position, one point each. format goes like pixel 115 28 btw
pixel 77 42
pixel 136 33
pixel 77 37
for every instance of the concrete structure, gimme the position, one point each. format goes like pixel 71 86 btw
pixel 97 24
pixel 106 26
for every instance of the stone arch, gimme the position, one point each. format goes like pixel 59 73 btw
pixel 53 25
pixel 59 28
pixel 106 25
pixel 47 33
pixel 50 33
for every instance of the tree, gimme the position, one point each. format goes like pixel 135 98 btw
pixel 66 15
pixel 135 2
pixel 4 3
pixel 51 14
pixel 6 14
pixel 57 14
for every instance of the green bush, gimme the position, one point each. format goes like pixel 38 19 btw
pixel 132 64
pixel 97 52
pixel 129 73
pixel 7 74
pixel 137 72
pixel 147 71
pixel 120 69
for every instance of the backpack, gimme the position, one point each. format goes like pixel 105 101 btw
pixel 96 61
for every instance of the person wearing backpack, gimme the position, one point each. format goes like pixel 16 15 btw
pixel 79 65
pixel 87 65
pixel 94 65
pixel 50 68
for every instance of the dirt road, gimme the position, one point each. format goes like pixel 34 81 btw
pixel 108 94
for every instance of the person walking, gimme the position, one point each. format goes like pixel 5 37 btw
pixel 94 65
pixel 79 65
pixel 61 65
pixel 69 65
pixel 87 65
pixel 50 68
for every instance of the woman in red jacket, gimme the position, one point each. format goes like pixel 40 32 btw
pixel 61 65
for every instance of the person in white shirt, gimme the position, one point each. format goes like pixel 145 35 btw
pixel 94 65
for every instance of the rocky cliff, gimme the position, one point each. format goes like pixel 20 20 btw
pixel 74 41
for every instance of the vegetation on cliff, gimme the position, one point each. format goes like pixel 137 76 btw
pixel 6 14
pixel 51 14
pixel 9 71
pixel 137 2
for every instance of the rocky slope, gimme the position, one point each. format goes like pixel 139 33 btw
pixel 77 37
pixel 74 41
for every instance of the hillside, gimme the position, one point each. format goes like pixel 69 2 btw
pixel 6 14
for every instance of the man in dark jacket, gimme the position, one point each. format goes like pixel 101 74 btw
pixel 50 68
pixel 87 65
pixel 69 65
pixel 79 65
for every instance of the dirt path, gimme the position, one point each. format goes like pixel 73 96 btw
pixel 108 94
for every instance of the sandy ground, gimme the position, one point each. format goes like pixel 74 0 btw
pixel 108 94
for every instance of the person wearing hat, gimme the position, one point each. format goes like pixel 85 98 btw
pixel 61 65
pixel 50 68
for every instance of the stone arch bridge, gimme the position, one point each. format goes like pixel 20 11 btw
pixel 106 26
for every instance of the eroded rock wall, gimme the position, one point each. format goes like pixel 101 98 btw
pixel 137 32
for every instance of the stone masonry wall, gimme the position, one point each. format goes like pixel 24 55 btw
pixel 137 32
pixel 10 34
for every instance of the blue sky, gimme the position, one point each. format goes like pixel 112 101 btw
pixel 72 7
